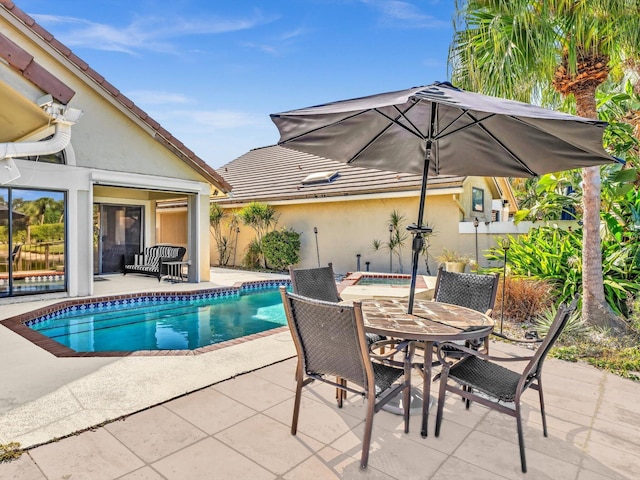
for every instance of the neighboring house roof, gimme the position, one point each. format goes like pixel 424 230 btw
pixel 276 173
pixel 24 63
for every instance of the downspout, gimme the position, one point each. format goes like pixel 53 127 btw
pixel 62 117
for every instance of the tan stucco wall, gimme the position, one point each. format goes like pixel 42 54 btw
pixel 346 228
pixel 466 196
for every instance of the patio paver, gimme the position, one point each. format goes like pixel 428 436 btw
pixel 239 428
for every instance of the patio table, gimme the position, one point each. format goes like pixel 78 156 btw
pixel 430 322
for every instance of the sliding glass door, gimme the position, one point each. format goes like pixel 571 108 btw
pixel 118 232
pixel 32 241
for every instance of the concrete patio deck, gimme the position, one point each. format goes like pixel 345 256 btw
pixel 236 422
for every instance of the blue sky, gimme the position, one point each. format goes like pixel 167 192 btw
pixel 211 71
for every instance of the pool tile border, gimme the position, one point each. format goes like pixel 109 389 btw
pixel 19 323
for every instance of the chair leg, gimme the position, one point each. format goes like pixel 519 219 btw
pixel 339 392
pixel 368 429
pixel 441 396
pixel 523 461
pixel 296 403
pixel 542 412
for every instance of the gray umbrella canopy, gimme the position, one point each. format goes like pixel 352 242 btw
pixel 441 130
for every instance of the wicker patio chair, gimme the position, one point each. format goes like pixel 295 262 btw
pixel 330 341
pixel 470 290
pixel 14 258
pixel 320 284
pixel 496 384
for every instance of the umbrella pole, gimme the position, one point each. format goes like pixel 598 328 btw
pixel 418 229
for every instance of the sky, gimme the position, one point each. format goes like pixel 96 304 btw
pixel 211 71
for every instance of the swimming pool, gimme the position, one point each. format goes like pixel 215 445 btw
pixel 166 324
pixel 189 322
pixel 388 280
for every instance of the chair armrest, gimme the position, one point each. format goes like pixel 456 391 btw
pixel 395 347
pixel 448 346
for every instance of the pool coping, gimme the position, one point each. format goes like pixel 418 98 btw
pixel 17 323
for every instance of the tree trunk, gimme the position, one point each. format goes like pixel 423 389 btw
pixel 595 309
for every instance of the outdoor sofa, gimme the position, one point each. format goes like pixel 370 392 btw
pixel 152 260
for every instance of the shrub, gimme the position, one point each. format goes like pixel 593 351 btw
pixel 47 232
pixel 546 253
pixel 252 255
pixel 556 255
pixel 525 298
pixel 574 327
pixel 281 248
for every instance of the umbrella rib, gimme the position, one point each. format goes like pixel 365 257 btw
pixel 394 121
pixel 417 132
pixel 478 122
pixel 504 147
pixel 463 127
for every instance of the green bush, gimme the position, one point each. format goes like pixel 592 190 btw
pixel 252 255
pixel 281 248
pixel 47 232
pixel 546 253
pixel 575 326
pixel 555 255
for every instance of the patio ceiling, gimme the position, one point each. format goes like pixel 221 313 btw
pixel 20 116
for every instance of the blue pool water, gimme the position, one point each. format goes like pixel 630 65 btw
pixel 167 324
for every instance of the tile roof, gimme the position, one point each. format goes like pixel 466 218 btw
pixel 275 173
pixel 24 63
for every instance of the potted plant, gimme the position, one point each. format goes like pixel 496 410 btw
pixel 453 261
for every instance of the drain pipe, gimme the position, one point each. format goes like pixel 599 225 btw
pixel 62 117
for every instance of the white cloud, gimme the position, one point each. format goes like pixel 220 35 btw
pixel 146 33
pixel 263 47
pixel 219 136
pixel 154 97
pixel 398 13
pixel 219 119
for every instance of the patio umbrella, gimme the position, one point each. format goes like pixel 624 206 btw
pixel 441 130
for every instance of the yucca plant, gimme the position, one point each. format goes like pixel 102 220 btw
pixel 574 327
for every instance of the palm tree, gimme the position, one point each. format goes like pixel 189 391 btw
pixel 548 50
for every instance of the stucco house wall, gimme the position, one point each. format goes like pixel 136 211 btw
pixel 352 209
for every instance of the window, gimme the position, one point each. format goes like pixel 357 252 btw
pixel 477 199
pixel 32 241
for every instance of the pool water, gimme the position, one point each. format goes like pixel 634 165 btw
pixel 405 281
pixel 167 325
